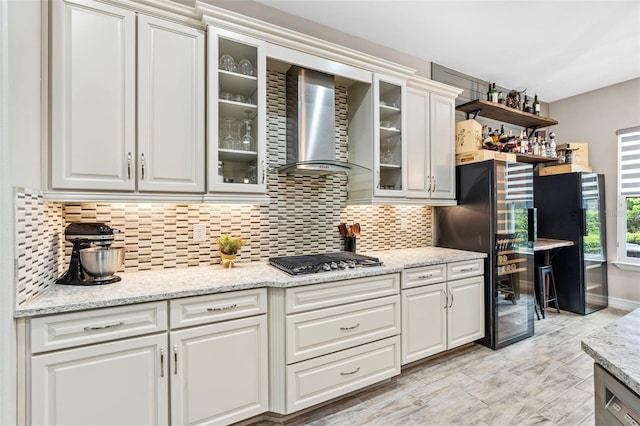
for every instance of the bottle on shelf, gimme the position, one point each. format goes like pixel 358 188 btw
pixel 502 136
pixel 493 93
pixel 526 107
pixel 536 105
pixel 552 145
pixel 489 92
pixel 501 98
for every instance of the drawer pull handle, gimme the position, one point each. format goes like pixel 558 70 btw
pixel 350 328
pixel 224 308
pixel 175 359
pixel 467 269
pixel 161 361
pixel 349 373
pixel 103 327
pixel 422 277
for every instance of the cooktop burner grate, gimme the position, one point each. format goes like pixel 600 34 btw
pixel 313 263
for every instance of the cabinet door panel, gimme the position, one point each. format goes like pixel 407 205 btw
pixel 221 372
pixel 170 106
pixel 93 96
pixel 418 173
pixel 424 322
pixel 466 313
pixel 119 383
pixel 442 153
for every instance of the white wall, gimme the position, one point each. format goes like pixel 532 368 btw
pixel 594 117
pixel 20 146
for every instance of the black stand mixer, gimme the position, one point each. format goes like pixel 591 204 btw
pixel 83 235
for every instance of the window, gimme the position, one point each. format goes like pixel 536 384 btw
pixel 629 196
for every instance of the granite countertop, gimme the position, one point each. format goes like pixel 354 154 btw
pixel 147 286
pixel 616 347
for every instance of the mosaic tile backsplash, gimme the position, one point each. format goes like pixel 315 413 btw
pixel 302 217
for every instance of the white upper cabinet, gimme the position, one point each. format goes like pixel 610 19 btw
pixel 431 142
pixel 93 68
pixel 236 99
pixel 96 51
pixel 389 118
pixel 171 92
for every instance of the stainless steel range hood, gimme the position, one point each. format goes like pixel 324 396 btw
pixel 311 136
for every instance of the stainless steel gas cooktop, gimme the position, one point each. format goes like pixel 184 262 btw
pixel 313 263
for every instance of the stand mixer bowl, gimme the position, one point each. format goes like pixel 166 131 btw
pixel 102 262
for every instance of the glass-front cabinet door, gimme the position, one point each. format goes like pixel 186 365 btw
pixel 236 113
pixel 389 136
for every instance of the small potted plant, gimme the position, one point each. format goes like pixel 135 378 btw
pixel 229 247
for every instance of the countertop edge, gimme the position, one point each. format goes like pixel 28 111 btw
pixel 616 349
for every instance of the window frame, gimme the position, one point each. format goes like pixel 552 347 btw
pixel 623 260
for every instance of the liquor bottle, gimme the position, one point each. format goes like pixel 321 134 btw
pixel 502 136
pixel 489 92
pixel 525 106
pixel 500 98
pixel 552 145
pixel 493 93
pixel 536 105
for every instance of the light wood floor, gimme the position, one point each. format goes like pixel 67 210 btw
pixel 543 380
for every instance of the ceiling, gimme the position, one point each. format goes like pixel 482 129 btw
pixel 556 49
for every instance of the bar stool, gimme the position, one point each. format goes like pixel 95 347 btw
pixel 546 272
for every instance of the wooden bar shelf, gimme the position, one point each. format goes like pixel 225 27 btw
pixel 503 113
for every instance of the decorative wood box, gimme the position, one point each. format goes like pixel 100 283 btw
pixel 483 155
pixel 580 152
pixel 468 136
pixel 564 168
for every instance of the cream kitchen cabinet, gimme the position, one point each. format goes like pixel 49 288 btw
pixel 237 146
pixel 219 372
pixel 442 308
pixel 330 339
pixel 121 380
pixel 431 142
pixel 377 140
pixel 132 365
pixel 100 63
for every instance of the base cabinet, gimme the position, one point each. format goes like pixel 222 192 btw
pixel 117 383
pixel 442 308
pixel 327 340
pixel 126 365
pixel 220 372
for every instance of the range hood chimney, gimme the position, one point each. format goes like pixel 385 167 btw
pixel 311 136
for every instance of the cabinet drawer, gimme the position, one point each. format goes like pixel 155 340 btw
pixel 321 379
pixel 316 296
pixel 432 274
pixel 98 325
pixel 464 269
pixel 315 333
pixel 217 307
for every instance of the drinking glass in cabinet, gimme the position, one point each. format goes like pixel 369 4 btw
pixel 251 175
pixel 246 67
pixel 247 139
pixel 239 98
pixel 226 96
pixel 227 63
pixel 228 139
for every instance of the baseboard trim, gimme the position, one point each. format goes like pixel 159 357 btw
pixel 624 304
